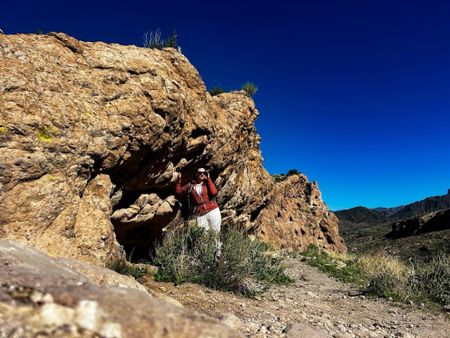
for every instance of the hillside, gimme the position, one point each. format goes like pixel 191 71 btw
pixel 418 229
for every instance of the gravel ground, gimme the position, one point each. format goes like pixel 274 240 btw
pixel 315 305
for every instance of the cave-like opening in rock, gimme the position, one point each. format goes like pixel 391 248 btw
pixel 144 203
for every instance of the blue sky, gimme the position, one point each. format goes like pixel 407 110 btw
pixel 355 94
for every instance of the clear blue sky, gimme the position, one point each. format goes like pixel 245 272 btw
pixel 355 94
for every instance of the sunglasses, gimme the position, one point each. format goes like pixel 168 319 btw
pixel 201 173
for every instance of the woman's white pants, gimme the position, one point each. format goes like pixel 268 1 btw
pixel 210 221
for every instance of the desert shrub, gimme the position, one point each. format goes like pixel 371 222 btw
pixel 386 276
pixel 216 90
pixel 433 279
pixel 243 266
pixel 293 172
pixel 249 88
pixel 126 268
pixel 154 40
pixel 382 275
pixel 340 266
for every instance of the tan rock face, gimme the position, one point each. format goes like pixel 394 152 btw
pixel 91 135
pixel 296 217
pixel 42 296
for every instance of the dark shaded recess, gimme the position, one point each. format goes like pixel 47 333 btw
pixel 200 132
pixel 139 239
pixel 255 213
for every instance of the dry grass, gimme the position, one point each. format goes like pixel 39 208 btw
pixel 383 275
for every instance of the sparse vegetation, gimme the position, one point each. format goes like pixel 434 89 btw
pixel 126 268
pixel 282 177
pixel 342 267
pixel 387 276
pixel 216 90
pixel 244 265
pixel 44 135
pixel 154 40
pixel 250 89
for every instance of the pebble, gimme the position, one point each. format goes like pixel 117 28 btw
pixel 262 329
pixel 231 320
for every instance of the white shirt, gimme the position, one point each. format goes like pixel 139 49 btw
pixel 198 188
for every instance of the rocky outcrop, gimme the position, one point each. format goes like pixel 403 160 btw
pixel 91 135
pixel 41 296
pixel 433 221
pixel 296 217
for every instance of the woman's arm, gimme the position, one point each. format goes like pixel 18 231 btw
pixel 181 189
pixel 211 187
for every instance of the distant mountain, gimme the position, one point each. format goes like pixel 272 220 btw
pixel 419 229
pixel 361 215
pixel 381 215
pixel 425 206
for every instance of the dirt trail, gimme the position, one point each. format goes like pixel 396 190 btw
pixel 315 305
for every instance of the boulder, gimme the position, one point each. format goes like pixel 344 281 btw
pixel 42 296
pixel 296 216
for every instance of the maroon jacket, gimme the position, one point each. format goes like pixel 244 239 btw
pixel 201 202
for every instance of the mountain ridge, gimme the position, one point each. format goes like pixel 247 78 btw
pixel 361 214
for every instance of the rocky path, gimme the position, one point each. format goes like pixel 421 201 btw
pixel 315 305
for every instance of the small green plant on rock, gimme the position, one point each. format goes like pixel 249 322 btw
pixel 250 89
pixel 216 90
pixel 154 40
pixel 43 134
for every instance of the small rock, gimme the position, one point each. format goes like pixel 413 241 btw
pixel 354 293
pixel 303 330
pixel 252 327
pixel 262 329
pixel 447 307
pixel 231 320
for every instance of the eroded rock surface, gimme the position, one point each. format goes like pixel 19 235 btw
pixel 296 217
pixel 91 135
pixel 41 296
pixel 433 221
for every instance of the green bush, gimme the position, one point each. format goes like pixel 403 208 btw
pixel 126 268
pixel 433 279
pixel 293 172
pixel 249 88
pixel 341 267
pixel 216 90
pixel 154 40
pixel 243 266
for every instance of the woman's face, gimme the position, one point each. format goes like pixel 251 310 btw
pixel 200 175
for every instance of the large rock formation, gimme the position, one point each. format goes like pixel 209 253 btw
pixel 91 135
pixel 433 221
pixel 41 296
pixel 296 217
